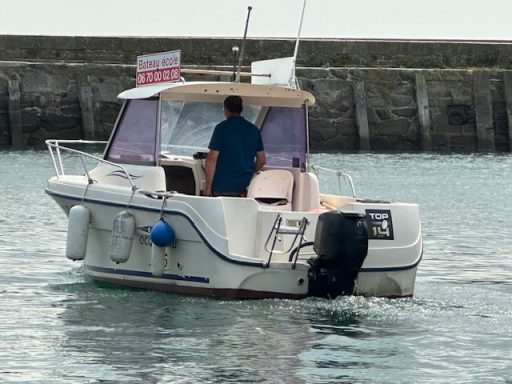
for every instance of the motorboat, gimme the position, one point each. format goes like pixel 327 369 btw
pixel 137 216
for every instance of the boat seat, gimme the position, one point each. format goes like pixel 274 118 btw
pixel 272 189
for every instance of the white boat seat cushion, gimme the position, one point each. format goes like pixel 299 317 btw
pixel 273 189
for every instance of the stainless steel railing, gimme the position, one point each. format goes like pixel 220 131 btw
pixel 55 148
pixel 339 175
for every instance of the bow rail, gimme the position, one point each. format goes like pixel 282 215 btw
pixel 55 148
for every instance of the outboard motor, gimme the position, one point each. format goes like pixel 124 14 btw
pixel 341 245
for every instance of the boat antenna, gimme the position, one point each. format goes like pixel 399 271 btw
pixel 292 82
pixel 241 56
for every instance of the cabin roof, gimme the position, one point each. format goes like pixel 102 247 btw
pixel 253 94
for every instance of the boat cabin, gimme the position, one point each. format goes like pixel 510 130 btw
pixel 170 126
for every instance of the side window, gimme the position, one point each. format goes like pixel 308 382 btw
pixel 284 136
pixel 134 138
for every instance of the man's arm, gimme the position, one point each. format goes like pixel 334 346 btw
pixel 260 160
pixel 209 170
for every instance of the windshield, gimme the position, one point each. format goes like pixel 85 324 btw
pixel 186 127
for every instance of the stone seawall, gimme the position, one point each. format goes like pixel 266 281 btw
pixel 371 95
pixel 410 110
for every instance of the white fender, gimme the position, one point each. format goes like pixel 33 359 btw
pixel 122 237
pixel 78 231
pixel 157 260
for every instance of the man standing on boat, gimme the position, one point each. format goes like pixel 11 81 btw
pixel 236 152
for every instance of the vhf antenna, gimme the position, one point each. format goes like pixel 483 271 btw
pixel 292 82
pixel 241 57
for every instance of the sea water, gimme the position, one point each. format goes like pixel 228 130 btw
pixel 57 326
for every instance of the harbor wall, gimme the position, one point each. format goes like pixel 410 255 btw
pixel 371 94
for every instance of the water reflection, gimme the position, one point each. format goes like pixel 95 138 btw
pixel 161 337
pixel 168 337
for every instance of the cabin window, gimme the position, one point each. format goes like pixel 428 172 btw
pixel 284 135
pixel 134 139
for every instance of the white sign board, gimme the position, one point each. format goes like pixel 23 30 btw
pixel 161 67
pixel 281 71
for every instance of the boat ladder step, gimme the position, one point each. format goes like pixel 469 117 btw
pixel 277 233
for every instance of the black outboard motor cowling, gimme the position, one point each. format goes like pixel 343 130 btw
pixel 341 245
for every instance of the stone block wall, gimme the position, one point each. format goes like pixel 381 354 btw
pixel 52 100
pixel 371 95
pixel 394 114
pixel 312 53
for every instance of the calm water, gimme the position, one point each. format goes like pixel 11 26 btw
pixel 56 326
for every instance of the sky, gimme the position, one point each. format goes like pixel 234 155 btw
pixel 358 19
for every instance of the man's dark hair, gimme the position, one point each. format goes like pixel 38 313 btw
pixel 233 104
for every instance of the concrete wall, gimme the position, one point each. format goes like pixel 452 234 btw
pixel 379 95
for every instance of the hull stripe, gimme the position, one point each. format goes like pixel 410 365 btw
pixel 391 269
pixel 200 291
pixel 261 264
pixel 168 276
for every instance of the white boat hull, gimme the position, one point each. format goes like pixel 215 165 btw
pixel 220 248
pixel 286 239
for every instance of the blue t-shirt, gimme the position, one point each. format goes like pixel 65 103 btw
pixel 237 141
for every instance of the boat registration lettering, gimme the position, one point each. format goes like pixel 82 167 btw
pixel 380 224
pixel 145 240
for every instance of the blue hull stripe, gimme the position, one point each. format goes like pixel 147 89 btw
pixel 168 276
pixel 261 264
pixel 390 269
